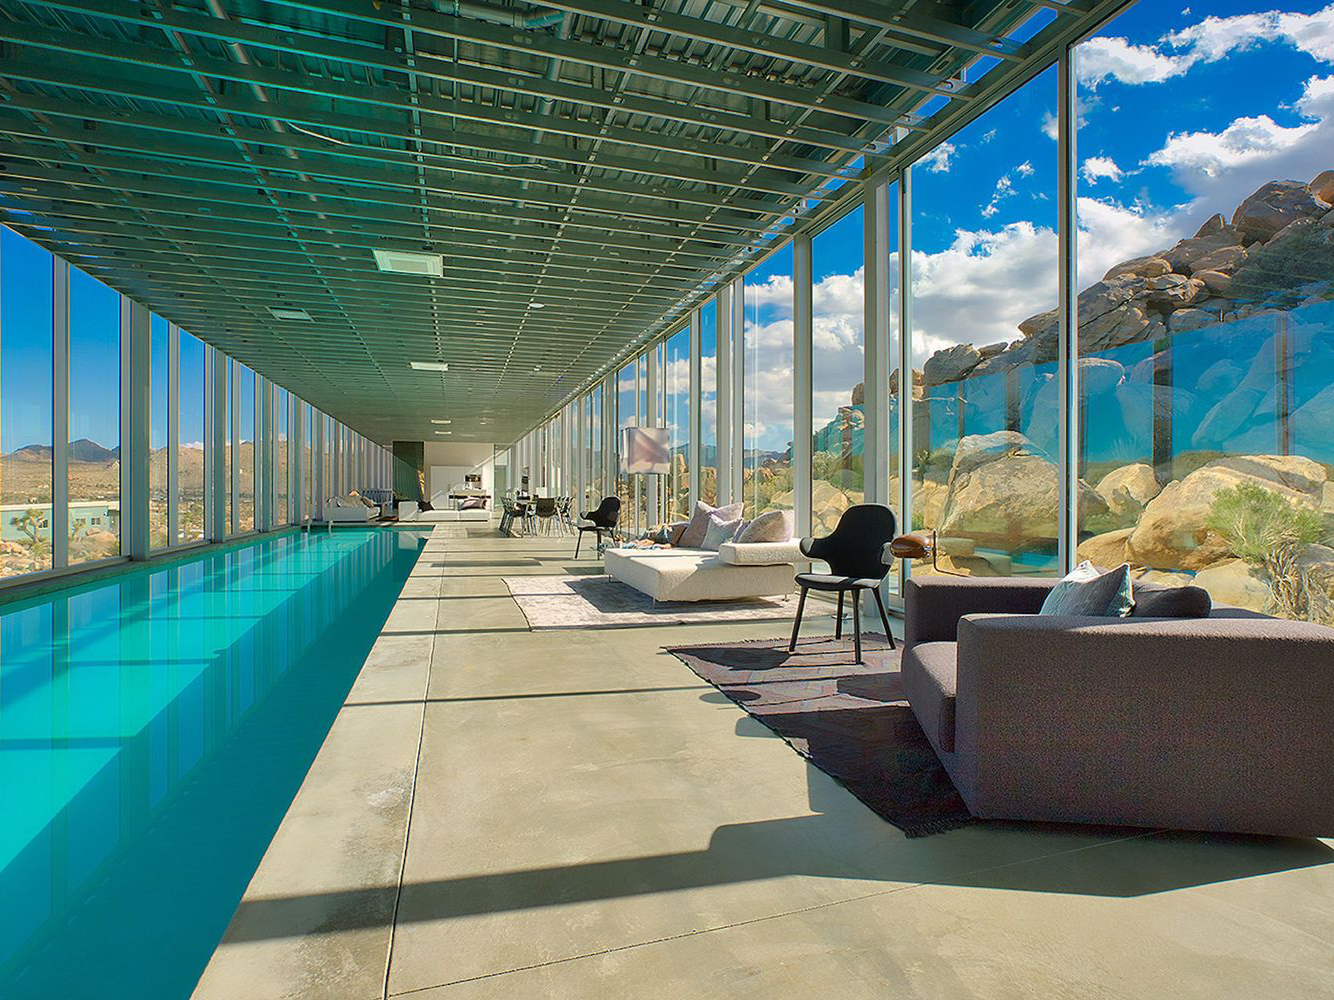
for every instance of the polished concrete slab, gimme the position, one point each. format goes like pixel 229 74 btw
pixel 501 813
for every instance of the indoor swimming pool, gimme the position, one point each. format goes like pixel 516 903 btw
pixel 154 728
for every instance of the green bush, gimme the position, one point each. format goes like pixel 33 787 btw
pixel 1257 522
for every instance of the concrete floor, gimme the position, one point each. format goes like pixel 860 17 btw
pixel 499 813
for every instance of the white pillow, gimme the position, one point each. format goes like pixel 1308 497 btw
pixel 718 532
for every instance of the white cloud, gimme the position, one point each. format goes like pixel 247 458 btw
pixel 938 160
pixel 1210 40
pixel 1100 59
pixel 1097 168
pixel 1220 169
pixel 1024 169
pixel 1051 127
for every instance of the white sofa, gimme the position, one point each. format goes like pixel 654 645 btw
pixel 734 572
pixel 349 510
pixel 409 510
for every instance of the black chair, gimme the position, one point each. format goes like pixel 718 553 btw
pixel 855 554
pixel 604 519
pixel 546 511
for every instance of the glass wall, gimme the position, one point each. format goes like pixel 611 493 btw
pixel 766 477
pixel 281 455
pixel 625 417
pixel 838 398
pixel 244 450
pixel 190 450
pixel 93 451
pixel 159 412
pixel 595 486
pixel 26 433
pixel 1207 310
pixel 307 455
pixel 985 409
pixel 708 402
pixel 676 418
pixel 229 451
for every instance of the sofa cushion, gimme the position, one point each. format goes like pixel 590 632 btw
pixel 930 681
pixel 1154 600
pixel 1086 592
pixel 693 536
pixel 760 553
pixel 771 526
pixel 719 532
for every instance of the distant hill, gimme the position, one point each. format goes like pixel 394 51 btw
pixel 82 450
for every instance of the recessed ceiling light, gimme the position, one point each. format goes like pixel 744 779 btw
pixel 538 305
pixel 409 262
pixel 429 366
pixel 435 421
pixel 444 432
pixel 283 312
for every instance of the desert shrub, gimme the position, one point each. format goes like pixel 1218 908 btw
pixel 1255 522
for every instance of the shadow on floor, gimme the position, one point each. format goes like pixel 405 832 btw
pixel 1064 860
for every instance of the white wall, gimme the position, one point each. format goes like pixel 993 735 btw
pixel 447 463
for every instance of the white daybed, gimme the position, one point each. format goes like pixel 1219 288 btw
pixel 734 572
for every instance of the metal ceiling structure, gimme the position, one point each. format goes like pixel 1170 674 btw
pixel 587 168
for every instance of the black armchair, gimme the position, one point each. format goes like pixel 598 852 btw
pixel 604 518
pixel 855 554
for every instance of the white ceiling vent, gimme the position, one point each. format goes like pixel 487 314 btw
pixel 284 312
pixel 409 262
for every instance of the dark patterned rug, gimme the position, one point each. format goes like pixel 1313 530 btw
pixel 850 721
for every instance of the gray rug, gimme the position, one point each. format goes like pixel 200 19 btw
pixel 565 601
pixel 851 721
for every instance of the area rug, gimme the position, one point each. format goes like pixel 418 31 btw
pixel 852 722
pixel 565 601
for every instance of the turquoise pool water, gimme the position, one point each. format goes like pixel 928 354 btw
pixel 153 731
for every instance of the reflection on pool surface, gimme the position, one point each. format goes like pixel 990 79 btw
pixel 153 731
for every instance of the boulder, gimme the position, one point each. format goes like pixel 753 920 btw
pixel 1007 501
pixel 1126 324
pixel 1323 186
pixel 1140 267
pixel 1099 375
pixel 991 350
pixel 1236 583
pixel 1041 321
pixel 859 393
pixel 1187 320
pixel 1316 416
pixel 1276 205
pixel 1183 256
pixel 1173 291
pixel 1217 282
pixel 951 364
pixel 1163 578
pixel 1222 376
pixel 1129 489
pixel 1225 259
pixel 1172 532
pixel 1105 551
pixel 977 450
pixel 1215 224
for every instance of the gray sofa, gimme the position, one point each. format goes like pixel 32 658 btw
pixel 1223 723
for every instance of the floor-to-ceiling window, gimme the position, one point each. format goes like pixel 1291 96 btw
pixel 708 402
pixel 282 402
pixel 767 393
pixel 229 450
pixel 595 449
pixel 93 449
pixel 1206 277
pixel 326 457
pixel 838 398
pixel 244 450
pixel 159 411
pixel 642 519
pixel 26 316
pixel 307 457
pixel 625 417
pixel 984 268
pixel 191 396
pixel 676 414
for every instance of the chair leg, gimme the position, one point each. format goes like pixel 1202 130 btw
pixel 578 540
pixel 880 603
pixel 796 625
pixel 838 619
pixel 857 623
